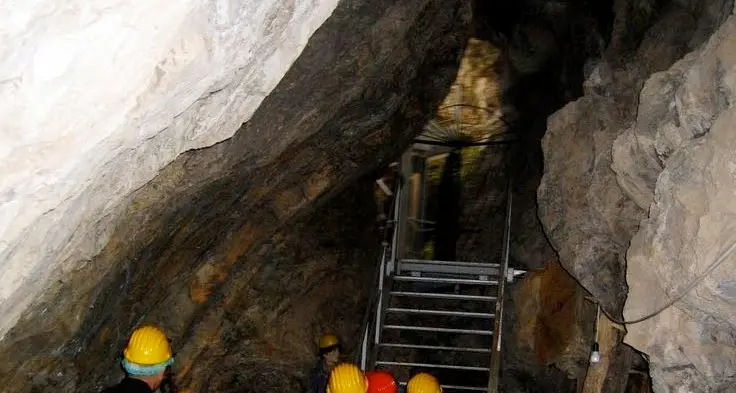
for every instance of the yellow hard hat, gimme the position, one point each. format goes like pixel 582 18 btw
pixel 328 340
pixel 423 383
pixel 347 378
pixel 148 345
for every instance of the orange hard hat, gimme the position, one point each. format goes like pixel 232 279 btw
pixel 380 382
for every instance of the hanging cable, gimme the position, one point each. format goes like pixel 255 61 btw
pixel 721 258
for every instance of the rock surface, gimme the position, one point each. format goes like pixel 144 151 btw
pixel 632 149
pixel 588 217
pixel 183 250
pixel 553 323
pixel 684 147
pixel 95 99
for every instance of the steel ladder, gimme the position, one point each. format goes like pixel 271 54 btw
pixel 443 317
pixel 438 316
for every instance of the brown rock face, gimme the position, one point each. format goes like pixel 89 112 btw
pixel 553 317
pixel 194 254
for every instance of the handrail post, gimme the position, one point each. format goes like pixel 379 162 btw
pixel 389 257
pixel 365 337
pixel 495 365
pixel 397 230
pixel 364 348
pixel 388 266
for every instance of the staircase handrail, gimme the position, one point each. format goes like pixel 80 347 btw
pixel 495 364
pixel 362 355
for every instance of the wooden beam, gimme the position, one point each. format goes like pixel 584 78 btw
pixel 607 341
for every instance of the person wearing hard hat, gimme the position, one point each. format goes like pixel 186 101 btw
pixel 423 383
pixel 145 360
pixel 381 382
pixel 347 378
pixel 329 355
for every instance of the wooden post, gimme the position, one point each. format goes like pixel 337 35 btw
pixel 608 332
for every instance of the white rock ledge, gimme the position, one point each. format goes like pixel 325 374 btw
pixel 96 97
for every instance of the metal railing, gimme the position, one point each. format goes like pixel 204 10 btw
pixel 366 346
pixel 372 319
pixel 392 269
pixel 495 366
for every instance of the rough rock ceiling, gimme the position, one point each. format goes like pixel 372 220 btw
pixel 97 98
pixel 359 91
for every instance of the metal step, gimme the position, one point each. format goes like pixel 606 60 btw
pixel 445 280
pixel 449 267
pixel 447 296
pixel 431 365
pixel 457 263
pixel 459 387
pixel 440 330
pixel 435 347
pixel 440 312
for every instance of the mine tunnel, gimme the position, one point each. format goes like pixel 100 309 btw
pixel 230 171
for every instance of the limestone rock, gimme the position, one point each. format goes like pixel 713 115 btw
pixel 96 98
pixel 586 216
pixel 675 106
pixel 603 158
pixel 588 212
pixel 691 345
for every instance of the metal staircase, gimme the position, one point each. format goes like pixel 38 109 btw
pixel 443 317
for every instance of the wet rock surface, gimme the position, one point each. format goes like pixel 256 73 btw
pixel 190 253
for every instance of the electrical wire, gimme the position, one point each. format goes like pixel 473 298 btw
pixel 721 258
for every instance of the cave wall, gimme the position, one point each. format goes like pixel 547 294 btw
pixel 299 283
pixel 618 198
pixel 678 160
pixel 97 98
pixel 187 250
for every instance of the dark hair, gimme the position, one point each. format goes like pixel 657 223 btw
pixel 324 351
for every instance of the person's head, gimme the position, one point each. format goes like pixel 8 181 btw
pixel 380 382
pixel 347 378
pixel 329 348
pixel 147 355
pixel 423 383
